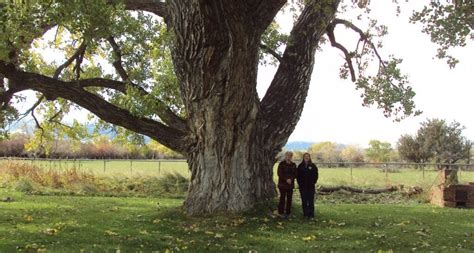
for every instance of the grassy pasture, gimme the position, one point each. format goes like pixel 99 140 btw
pixel 134 220
pixel 361 177
pixel 105 224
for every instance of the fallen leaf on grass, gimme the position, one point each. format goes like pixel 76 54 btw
pixel 28 218
pixel 237 222
pixel 110 233
pixel 425 244
pixel 309 238
pixel 50 231
pixel 423 232
pixel 403 223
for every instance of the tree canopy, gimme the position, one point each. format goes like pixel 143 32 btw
pixel 90 35
pixel 436 140
pixel 378 151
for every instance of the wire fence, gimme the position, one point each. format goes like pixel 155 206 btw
pixel 105 165
pixel 334 173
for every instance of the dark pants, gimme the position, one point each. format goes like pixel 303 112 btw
pixel 286 196
pixel 307 202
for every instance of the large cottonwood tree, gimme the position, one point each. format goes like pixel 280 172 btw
pixel 185 74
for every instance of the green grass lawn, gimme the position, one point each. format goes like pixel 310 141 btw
pixel 361 177
pixel 99 224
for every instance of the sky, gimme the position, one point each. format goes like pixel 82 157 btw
pixel 334 111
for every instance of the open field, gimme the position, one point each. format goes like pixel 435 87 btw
pixel 361 177
pixel 104 224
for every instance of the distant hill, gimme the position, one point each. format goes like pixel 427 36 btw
pixel 298 145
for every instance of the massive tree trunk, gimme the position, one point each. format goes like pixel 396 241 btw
pixel 216 56
pixel 232 180
pixel 235 140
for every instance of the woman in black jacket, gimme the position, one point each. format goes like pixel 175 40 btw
pixel 307 178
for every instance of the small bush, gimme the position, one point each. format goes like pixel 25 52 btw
pixel 87 189
pixel 24 185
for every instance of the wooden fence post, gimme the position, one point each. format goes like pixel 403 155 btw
pixel 351 173
pixel 105 161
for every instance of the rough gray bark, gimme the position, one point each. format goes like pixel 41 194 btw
pixel 235 137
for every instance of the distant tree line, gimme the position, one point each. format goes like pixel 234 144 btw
pixel 435 142
pixel 100 147
pixel 331 152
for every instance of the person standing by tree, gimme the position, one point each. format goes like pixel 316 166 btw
pixel 287 173
pixel 307 178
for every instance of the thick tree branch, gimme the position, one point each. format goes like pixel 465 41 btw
pixel 263 12
pixel 283 103
pixel 74 92
pixel 165 113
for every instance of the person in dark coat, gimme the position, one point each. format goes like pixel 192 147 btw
pixel 287 173
pixel 307 178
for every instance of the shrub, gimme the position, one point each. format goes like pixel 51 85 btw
pixel 24 185
pixel 86 188
pixel 14 146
